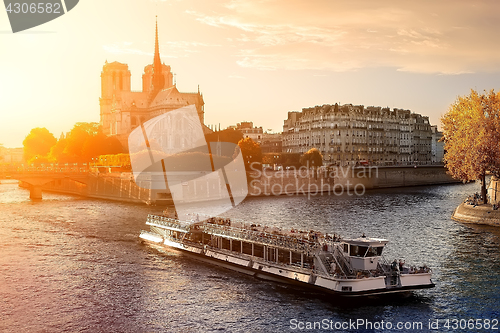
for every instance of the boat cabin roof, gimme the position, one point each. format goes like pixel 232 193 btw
pixel 367 241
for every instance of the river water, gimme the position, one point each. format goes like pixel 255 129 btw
pixel 69 264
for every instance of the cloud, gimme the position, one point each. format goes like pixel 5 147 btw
pixel 174 49
pixel 123 48
pixel 426 36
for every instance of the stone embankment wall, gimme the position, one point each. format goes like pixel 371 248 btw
pixel 481 214
pixel 343 180
pixel 121 187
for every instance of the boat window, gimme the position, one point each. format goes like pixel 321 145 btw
pixel 346 247
pixel 374 251
pixel 358 251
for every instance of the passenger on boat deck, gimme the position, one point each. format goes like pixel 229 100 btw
pixel 394 265
pixel 401 264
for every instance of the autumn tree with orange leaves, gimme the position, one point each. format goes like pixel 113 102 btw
pixel 472 137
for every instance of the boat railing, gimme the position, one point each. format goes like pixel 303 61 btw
pixel 259 260
pixel 325 264
pixel 262 237
pixel 384 266
pixel 168 222
pixel 390 268
pixel 304 236
pixel 341 260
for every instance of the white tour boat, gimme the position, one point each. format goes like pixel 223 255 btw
pixel 344 267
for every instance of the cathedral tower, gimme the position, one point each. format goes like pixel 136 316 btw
pixel 115 80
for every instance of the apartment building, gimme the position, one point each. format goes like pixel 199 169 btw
pixel 355 134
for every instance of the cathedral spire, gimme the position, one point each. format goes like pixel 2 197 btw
pixel 157 60
pixel 158 78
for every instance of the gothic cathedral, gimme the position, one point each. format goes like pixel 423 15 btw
pixel 122 110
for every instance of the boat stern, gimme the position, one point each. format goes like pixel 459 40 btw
pixel 417 280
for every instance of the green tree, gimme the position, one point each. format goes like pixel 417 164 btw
pixel 93 146
pixel 272 159
pixel 86 141
pixel 252 154
pixel 227 135
pixel 57 152
pixel 113 146
pixel 471 129
pixel 38 144
pixel 291 160
pixel 312 159
pixel 76 139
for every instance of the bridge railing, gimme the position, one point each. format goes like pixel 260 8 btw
pixel 60 168
pixel 49 167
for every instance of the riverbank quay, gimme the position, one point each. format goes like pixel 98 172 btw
pixel 344 180
pixel 477 214
pixel 338 181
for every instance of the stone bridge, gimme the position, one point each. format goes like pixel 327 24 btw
pixel 36 179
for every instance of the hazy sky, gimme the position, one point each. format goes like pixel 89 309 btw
pixel 254 60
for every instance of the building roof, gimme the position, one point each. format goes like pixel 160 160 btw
pixel 171 96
